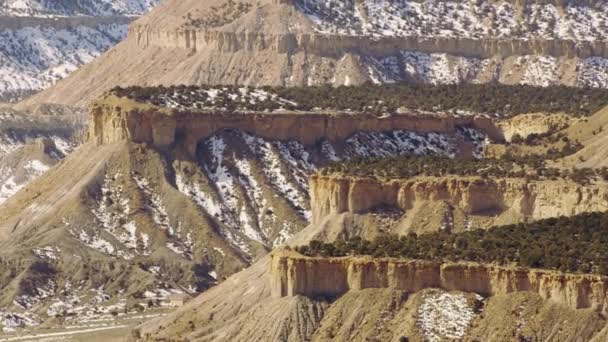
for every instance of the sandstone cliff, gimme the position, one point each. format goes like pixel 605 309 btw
pixel 483 202
pixel 293 274
pixel 119 119
pixel 338 45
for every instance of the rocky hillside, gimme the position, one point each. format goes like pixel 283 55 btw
pixel 41 42
pixel 176 189
pixel 360 299
pixel 161 201
pixel 309 42
pixel 293 274
pixel 31 143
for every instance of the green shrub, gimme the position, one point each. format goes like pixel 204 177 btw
pixel 495 99
pixel 569 244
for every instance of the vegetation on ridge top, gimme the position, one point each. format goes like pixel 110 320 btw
pixel 530 167
pixel 568 244
pixel 494 99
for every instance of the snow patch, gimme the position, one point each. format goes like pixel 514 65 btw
pixel 444 315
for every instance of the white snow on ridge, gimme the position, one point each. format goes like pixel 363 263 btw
pixel 441 68
pixel 444 316
pixel 398 143
pixel 45 9
pixel 273 155
pixel 472 19
pixel 255 199
pixel 214 208
pixel 9 188
pixel 593 72
pixel 40 293
pixel 48 253
pixel 211 97
pixel 34 58
pixel 539 71
pixel 113 212
pixel 178 243
pixel 14 177
pixel 11 321
pixel 242 182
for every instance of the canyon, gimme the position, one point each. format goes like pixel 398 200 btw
pixel 193 196
pixel 196 195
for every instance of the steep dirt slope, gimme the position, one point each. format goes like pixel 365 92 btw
pixel 105 230
pixel 592 133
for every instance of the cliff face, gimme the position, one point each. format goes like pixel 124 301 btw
pixel 117 120
pixel 293 274
pixel 518 199
pixel 338 45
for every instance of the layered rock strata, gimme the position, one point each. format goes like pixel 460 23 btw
pixel 337 45
pixel 117 120
pixel 293 274
pixel 525 199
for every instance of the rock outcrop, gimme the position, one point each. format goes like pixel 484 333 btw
pixel 338 45
pixel 293 274
pixel 119 119
pixel 519 198
pixel 537 123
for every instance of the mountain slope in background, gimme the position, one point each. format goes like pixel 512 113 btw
pixel 298 42
pixel 31 143
pixel 59 8
pixel 42 42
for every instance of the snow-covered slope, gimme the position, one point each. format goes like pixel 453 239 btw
pixel 442 68
pixel 32 143
pixel 473 19
pixel 43 41
pixel 29 161
pixel 46 8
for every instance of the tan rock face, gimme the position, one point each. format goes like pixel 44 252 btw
pixel 508 200
pixel 293 274
pixel 538 123
pixel 289 43
pixel 117 120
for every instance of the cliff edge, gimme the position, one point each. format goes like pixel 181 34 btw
pixel 293 274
